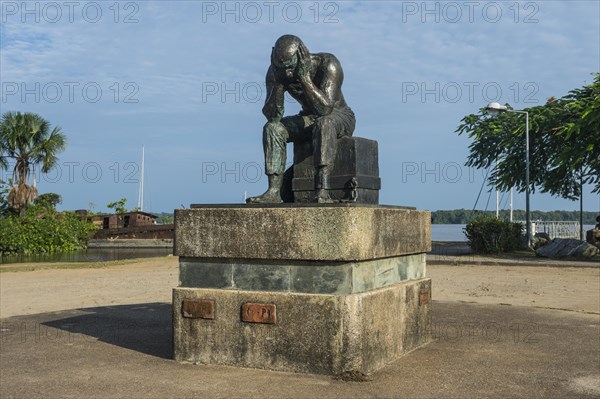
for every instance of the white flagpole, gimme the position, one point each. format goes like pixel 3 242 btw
pixel 141 188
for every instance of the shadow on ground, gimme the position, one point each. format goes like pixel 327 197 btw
pixel 477 351
pixel 144 328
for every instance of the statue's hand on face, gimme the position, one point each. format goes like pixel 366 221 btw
pixel 303 69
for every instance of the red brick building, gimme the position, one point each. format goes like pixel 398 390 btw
pixel 128 225
pixel 123 220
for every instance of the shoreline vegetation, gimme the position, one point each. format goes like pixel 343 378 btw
pixel 40 228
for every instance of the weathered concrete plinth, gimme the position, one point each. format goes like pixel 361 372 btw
pixel 315 289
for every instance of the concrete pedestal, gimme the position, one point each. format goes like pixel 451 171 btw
pixel 317 289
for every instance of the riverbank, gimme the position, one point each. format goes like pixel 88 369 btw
pixel 131 243
pixel 459 253
pixel 455 232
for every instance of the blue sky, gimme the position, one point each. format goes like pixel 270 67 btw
pixel 186 79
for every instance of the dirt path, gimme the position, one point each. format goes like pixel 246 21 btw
pixel 576 289
pixel 31 292
pixel 21 293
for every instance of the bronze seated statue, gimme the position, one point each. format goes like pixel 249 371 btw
pixel 329 164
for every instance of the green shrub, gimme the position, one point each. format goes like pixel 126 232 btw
pixel 43 230
pixel 490 235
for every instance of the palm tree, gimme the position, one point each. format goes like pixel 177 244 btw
pixel 27 138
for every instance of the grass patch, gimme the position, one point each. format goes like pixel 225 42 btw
pixel 29 267
pixel 515 255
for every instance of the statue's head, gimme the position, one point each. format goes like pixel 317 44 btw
pixel 285 54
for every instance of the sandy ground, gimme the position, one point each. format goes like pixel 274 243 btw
pixel 150 281
pixel 574 289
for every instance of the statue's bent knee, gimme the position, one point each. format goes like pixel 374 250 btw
pixel 324 122
pixel 275 130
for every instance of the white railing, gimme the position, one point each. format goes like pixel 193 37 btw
pixel 556 229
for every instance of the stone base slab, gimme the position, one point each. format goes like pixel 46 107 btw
pixel 316 277
pixel 335 232
pixel 307 333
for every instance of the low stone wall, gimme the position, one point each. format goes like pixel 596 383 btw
pixel 131 243
pixel 157 231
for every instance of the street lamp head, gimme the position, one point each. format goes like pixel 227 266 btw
pixel 495 109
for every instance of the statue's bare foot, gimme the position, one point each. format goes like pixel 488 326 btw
pixel 271 196
pixel 321 197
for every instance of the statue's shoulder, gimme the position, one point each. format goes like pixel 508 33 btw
pixel 329 62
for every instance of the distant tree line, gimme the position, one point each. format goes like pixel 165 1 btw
pixel 164 217
pixel 464 216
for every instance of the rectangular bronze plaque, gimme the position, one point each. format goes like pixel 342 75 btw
pixel 424 297
pixel 198 309
pixel 265 313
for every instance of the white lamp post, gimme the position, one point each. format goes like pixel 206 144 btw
pixel 495 109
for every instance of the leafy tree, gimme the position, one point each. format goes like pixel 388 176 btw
pixel 48 200
pixel 41 229
pixel 166 219
pixel 564 144
pixel 119 206
pixel 27 139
